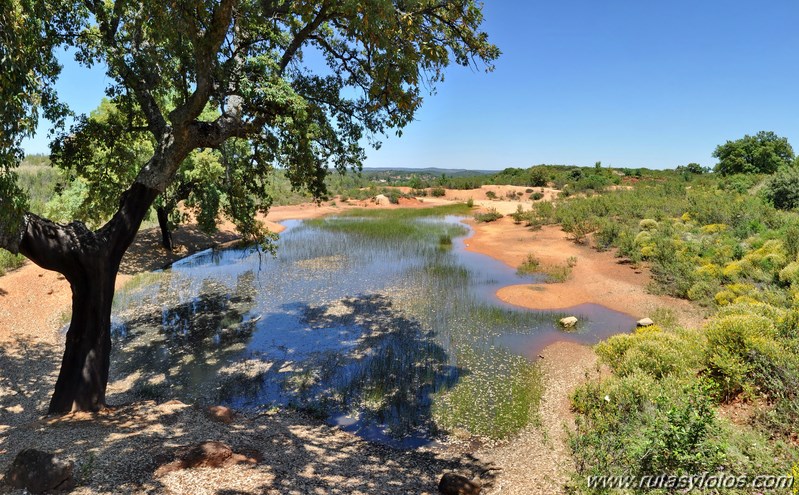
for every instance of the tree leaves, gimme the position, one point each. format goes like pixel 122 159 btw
pixel 195 74
pixel 762 153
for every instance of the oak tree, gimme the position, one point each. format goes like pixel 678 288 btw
pixel 298 84
pixel 763 153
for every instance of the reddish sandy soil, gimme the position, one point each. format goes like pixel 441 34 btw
pixel 598 277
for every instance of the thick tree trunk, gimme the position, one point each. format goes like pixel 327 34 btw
pixel 84 368
pixel 90 262
pixel 163 222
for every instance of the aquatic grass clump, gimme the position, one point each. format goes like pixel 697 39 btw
pixel 392 227
pixel 557 274
pixel 457 209
pixel 134 288
pixel 529 266
pixel 10 261
pixel 497 396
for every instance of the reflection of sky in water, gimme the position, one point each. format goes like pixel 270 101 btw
pixel 263 305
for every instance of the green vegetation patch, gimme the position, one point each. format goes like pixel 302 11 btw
pixel 659 411
pixel 494 406
pixel 10 261
pixel 396 224
pixel 457 209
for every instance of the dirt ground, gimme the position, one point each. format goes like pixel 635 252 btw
pixel 116 451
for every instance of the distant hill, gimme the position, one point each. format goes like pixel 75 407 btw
pixel 430 171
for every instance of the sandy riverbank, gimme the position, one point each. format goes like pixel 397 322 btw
pixel 598 277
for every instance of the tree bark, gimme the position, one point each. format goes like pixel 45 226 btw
pixel 163 223
pixel 90 261
pixel 84 368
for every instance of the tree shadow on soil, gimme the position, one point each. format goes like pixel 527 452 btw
pixel 146 253
pixel 118 450
pixel 28 370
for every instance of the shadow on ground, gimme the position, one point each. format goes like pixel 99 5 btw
pixel 146 253
pixel 119 449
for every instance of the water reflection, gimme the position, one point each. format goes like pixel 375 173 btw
pixel 379 335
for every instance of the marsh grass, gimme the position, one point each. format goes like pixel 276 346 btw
pixel 494 405
pixel 407 213
pixel 530 265
pixel 125 295
pixel 402 223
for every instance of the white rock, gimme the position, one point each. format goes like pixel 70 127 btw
pixel 645 322
pixel 569 321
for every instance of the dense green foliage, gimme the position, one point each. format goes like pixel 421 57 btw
pixel 29 69
pixel 763 153
pixel 720 242
pixel 782 189
pixel 703 242
pixel 658 412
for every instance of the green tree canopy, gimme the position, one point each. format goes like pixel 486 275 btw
pixel 297 84
pixel 762 153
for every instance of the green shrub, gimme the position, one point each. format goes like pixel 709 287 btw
pixel 782 189
pixel 438 192
pixel 790 274
pixel 579 223
pixel 731 343
pixel 10 261
pixel 791 240
pixel 536 196
pixel 702 292
pixel 519 215
pixel 637 426
pixel 648 224
pixel 652 351
pixel 491 195
pixel 607 233
pixel 529 266
pixel 489 216
pixel 544 212
pixel 470 203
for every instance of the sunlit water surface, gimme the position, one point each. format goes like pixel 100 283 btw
pixel 397 340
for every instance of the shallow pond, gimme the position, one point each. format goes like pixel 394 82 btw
pixel 388 328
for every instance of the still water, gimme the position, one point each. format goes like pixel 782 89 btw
pixel 399 339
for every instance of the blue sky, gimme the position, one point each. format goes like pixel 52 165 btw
pixel 626 82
